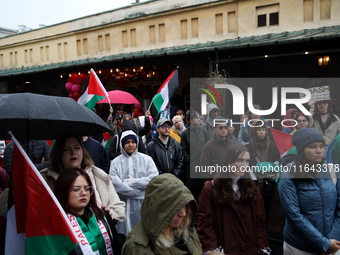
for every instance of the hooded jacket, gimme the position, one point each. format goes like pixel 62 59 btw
pixel 114 150
pixel 312 210
pixel 168 158
pixel 209 125
pixel 130 176
pixel 165 196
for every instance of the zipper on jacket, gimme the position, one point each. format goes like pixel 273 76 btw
pixel 167 160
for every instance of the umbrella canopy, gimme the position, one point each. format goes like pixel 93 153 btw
pixel 119 97
pixel 38 117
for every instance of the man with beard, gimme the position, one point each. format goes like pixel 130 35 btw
pixel 165 151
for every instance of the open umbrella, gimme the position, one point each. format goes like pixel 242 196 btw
pixel 120 97
pixel 38 117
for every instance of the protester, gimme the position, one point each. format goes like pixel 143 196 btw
pixel 263 150
pixel 114 150
pixel 193 140
pixel 213 112
pixel 214 151
pixel 310 199
pixel 230 209
pixel 165 151
pixel 98 153
pixel 177 129
pixel 302 121
pixel 69 152
pixel 203 118
pixel 244 135
pixel 38 151
pixel 167 221
pixel 324 121
pixel 109 122
pixel 169 112
pixel 243 119
pixel 231 130
pixel 183 116
pixel 131 172
pixel 95 228
pixel 290 115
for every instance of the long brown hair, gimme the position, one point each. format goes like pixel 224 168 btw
pixel 57 151
pixel 247 187
pixel 63 187
pixel 260 146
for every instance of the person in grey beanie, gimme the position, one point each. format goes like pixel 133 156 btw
pixel 309 197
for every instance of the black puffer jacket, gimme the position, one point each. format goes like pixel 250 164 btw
pixel 114 150
pixel 168 159
pixel 37 150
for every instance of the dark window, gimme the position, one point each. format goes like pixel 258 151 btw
pixel 274 18
pixel 261 20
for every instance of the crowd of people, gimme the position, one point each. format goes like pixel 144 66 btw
pixel 142 189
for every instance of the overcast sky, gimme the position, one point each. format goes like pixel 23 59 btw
pixel 31 13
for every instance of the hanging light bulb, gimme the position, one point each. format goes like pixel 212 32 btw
pixel 61 76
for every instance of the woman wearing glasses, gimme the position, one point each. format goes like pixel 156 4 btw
pixel 69 152
pixel 77 196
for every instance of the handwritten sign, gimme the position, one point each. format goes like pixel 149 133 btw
pixel 319 93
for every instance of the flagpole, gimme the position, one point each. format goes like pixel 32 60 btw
pixel 150 105
pixel 47 187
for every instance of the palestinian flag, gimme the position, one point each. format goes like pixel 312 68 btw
pixel 93 91
pixel 106 141
pixel 166 91
pixel 36 223
pixel 282 140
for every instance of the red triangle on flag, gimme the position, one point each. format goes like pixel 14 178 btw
pixel 282 140
pixel 36 211
pixel 95 86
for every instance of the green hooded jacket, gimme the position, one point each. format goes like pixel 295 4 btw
pixel 165 196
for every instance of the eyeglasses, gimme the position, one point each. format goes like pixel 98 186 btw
pixel 301 121
pixel 166 127
pixel 78 191
pixel 222 127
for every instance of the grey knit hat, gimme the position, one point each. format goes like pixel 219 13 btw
pixel 306 136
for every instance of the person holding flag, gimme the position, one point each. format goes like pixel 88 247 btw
pixel 96 230
pixel 161 100
pixel 93 91
pixel 69 151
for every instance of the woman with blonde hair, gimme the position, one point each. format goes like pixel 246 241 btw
pixel 69 152
pixel 167 220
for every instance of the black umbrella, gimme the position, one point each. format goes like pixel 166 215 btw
pixel 38 117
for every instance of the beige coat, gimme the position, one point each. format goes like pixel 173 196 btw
pixel 106 191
